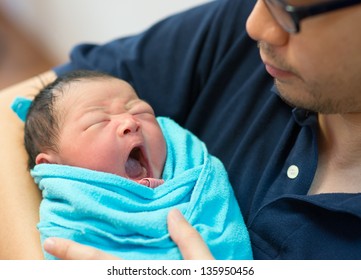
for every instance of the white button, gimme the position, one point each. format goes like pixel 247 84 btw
pixel 292 172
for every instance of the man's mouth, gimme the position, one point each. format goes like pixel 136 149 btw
pixel 136 166
pixel 278 73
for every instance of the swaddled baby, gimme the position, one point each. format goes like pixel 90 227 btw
pixel 110 171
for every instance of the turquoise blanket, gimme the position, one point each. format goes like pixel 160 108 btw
pixel 127 219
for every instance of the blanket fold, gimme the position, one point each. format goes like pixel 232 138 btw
pixel 128 219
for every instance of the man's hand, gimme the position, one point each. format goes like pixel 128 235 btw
pixel 188 240
pixel 69 250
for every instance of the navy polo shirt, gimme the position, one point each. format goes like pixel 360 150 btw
pixel 200 68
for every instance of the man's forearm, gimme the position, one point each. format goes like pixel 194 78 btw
pixel 19 197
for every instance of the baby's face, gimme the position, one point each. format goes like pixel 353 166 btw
pixel 106 127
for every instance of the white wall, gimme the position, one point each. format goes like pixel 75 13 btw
pixel 60 24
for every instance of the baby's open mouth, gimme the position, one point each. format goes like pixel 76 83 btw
pixel 136 166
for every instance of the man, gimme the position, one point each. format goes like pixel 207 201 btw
pixel 309 75
pixel 295 168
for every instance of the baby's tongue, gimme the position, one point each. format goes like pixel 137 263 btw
pixel 134 169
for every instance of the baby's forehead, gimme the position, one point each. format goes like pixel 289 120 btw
pixel 99 88
pixel 93 93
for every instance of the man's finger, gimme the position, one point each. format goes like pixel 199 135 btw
pixel 69 250
pixel 188 240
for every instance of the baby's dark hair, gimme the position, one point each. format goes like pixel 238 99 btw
pixel 43 121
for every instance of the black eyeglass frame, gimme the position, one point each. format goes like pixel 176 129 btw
pixel 298 13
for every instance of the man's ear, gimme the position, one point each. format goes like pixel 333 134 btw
pixel 45 158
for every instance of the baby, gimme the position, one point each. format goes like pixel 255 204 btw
pixel 110 171
pixel 102 125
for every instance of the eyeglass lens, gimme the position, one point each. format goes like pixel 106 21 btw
pixel 279 13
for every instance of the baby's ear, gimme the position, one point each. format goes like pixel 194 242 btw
pixel 45 158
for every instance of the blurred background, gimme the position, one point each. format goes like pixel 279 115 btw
pixel 36 35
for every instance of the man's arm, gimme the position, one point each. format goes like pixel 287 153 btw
pixel 19 196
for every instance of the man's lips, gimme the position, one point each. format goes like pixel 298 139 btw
pixel 278 73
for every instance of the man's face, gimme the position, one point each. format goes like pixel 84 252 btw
pixel 318 69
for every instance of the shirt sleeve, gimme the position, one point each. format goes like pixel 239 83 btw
pixel 170 63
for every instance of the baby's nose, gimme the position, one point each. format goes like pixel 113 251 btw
pixel 128 124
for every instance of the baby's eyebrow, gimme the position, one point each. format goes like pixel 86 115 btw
pixel 92 110
pixel 95 108
pixel 132 102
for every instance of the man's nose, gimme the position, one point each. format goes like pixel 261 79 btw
pixel 127 124
pixel 261 26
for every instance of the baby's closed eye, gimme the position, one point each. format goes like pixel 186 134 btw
pixel 96 121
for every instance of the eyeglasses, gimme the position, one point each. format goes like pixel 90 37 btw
pixel 289 16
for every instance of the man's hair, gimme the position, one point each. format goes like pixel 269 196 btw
pixel 43 120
